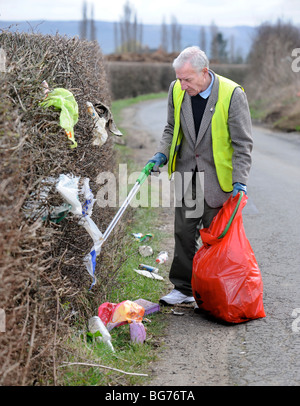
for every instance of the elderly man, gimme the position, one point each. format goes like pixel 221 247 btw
pixel 207 143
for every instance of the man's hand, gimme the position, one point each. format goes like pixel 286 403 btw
pixel 239 187
pixel 159 160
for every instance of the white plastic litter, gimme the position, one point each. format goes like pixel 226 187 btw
pixel 162 257
pixel 99 131
pixel 145 250
pixel 68 188
pixel 87 207
pixel 96 235
pixel 95 325
pixel 148 274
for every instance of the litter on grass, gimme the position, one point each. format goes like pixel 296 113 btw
pixel 176 313
pixel 145 250
pixel 137 332
pixel 142 237
pixel 116 314
pixel 149 307
pixel 100 332
pixel 148 268
pixel 162 257
pixel 126 312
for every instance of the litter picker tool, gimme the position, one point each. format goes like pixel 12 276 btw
pixel 140 180
pixel 90 259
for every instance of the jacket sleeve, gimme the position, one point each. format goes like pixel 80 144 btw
pixel 240 128
pixel 167 136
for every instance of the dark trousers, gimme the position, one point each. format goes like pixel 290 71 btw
pixel 187 243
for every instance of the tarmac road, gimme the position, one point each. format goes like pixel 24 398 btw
pixel 201 351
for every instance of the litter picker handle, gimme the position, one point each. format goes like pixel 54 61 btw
pixel 145 173
pixel 140 180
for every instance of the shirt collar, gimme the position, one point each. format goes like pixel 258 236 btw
pixel 206 93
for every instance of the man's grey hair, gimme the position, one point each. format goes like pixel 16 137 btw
pixel 195 56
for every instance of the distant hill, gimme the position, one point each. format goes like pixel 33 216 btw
pixel 151 34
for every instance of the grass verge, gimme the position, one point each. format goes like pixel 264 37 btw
pixel 283 115
pixel 119 105
pixel 91 362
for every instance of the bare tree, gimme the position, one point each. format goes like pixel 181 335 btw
pixel 130 30
pixel 134 34
pixel 116 37
pixel 164 36
pixel 232 57
pixel 127 26
pixel 235 54
pixel 140 36
pixel 222 45
pixel 214 55
pixel 272 84
pixel 270 57
pixel 239 55
pixel 93 33
pixel 218 51
pixel 84 22
pixel 87 29
pixel 175 35
pixel 202 38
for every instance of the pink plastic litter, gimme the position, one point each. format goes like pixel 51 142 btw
pixel 137 332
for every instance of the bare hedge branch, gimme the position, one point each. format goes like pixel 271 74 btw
pixel 44 283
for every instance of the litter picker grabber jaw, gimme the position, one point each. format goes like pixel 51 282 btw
pixel 140 180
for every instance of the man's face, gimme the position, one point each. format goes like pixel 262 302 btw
pixel 190 80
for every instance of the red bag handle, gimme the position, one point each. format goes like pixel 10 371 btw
pixel 232 216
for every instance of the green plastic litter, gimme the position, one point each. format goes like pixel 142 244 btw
pixel 64 100
pixel 56 215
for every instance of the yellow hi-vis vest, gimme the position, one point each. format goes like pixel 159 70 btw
pixel 221 140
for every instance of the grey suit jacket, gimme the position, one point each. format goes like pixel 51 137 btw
pixel 196 152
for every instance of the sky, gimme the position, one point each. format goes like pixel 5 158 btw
pixel 194 12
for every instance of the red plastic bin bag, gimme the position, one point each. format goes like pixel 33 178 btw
pixel 226 280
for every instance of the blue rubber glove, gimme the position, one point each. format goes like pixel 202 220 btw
pixel 159 160
pixel 237 187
